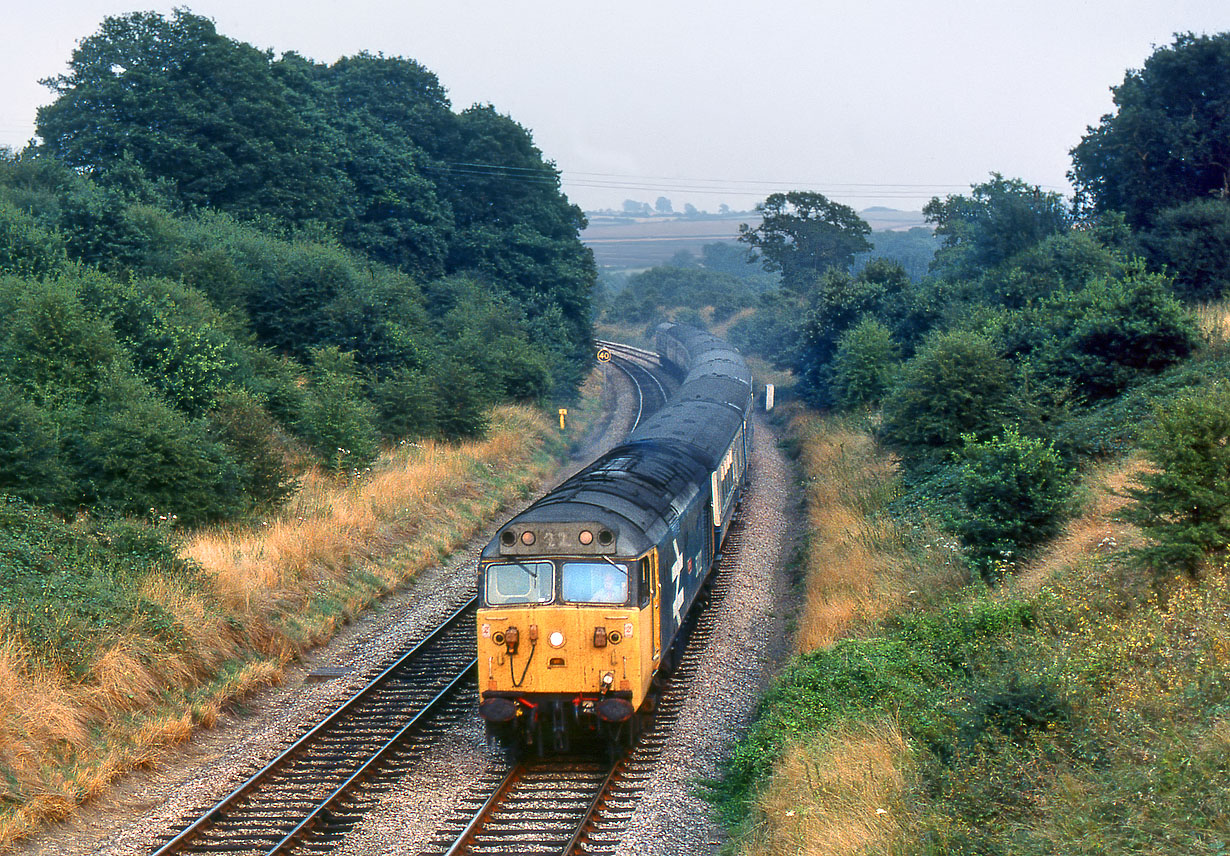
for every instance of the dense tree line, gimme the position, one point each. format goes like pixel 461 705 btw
pixel 721 279
pixel 1038 324
pixel 217 266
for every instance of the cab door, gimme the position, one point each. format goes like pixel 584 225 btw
pixel 656 600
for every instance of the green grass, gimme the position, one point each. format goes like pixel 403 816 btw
pixel 1089 714
pixel 70 590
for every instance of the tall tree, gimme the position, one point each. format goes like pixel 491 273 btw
pixel 803 233
pixel 997 220
pixel 1168 140
pixel 197 109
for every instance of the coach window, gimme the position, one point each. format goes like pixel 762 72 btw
pixel 594 582
pixel 519 582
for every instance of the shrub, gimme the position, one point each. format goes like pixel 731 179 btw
pixel 864 365
pixel 140 454
pixel 239 420
pixel 462 400
pixel 405 405
pixel 1016 492
pixel 337 420
pixel 1192 242
pixel 26 248
pixel 1123 330
pixel 956 384
pixel 1183 502
pixel 31 466
pixel 70 590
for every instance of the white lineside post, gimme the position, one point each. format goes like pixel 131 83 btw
pixel 768 397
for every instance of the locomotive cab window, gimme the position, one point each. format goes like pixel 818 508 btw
pixel 519 582
pixel 594 582
pixel 644 587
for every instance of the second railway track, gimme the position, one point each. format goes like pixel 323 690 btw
pixel 276 809
pixel 642 369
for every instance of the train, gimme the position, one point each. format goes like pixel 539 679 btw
pixel 582 596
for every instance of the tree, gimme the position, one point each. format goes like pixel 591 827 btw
pixel 1168 141
pixel 955 384
pixel 198 109
pixel 1016 492
pixel 802 234
pixel 1182 502
pixel 864 364
pixel 663 206
pixel 1192 243
pixel 997 220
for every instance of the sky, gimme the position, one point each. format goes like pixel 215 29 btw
pixel 709 102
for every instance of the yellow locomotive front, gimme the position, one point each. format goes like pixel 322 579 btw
pixel 569 632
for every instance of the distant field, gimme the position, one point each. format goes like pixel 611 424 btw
pixel 620 243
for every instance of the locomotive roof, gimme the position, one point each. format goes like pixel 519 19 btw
pixel 636 490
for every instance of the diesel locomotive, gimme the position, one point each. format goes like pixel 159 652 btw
pixel 582 595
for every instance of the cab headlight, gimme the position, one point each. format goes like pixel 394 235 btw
pixel 556 639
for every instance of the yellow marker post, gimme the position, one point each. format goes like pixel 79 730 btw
pixel 563 411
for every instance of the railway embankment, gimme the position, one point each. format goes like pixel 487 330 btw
pixel 1078 706
pixel 194 623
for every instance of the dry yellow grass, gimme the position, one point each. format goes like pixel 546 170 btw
pixel 1213 319
pixel 66 739
pixel 843 794
pixel 1095 529
pixel 838 797
pixel 857 565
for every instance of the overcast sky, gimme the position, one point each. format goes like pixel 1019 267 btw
pixel 871 102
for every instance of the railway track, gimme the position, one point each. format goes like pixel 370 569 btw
pixel 638 365
pixel 310 783
pixel 581 805
pixel 312 793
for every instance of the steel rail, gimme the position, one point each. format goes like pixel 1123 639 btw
pixel 484 812
pixel 573 845
pixel 640 394
pixel 204 821
pixel 631 353
pixel 305 825
pixel 630 349
pixel 661 388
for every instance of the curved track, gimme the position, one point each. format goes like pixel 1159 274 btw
pixel 641 368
